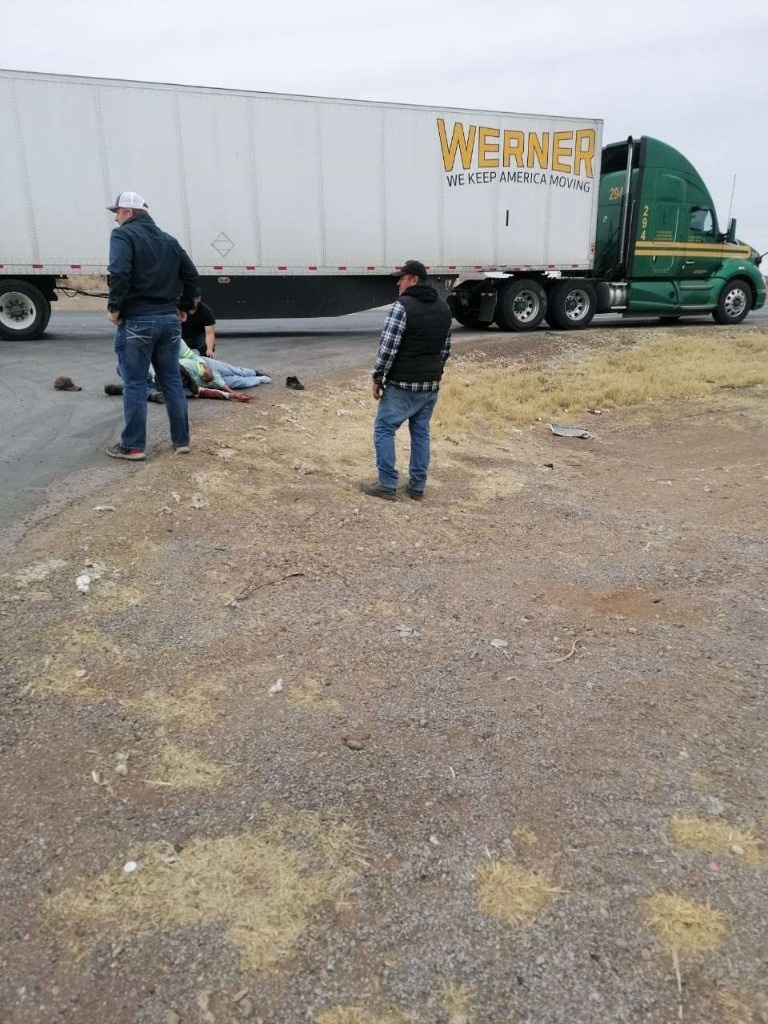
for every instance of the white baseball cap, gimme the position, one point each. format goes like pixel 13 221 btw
pixel 128 201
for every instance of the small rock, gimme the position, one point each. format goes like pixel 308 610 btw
pixel 434 840
pixel 541 960
pixel 276 687
pixel 80 673
pixel 715 805
pixel 83 583
pixel 737 850
pixel 198 501
pixel 240 995
pixel 247 1009
pixel 130 866
pixel 171 1017
pixel 103 508
pixel 356 741
pixel 500 645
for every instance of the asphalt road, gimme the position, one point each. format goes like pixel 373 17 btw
pixel 53 442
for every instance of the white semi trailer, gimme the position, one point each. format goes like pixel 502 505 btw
pixel 294 206
pixel 290 206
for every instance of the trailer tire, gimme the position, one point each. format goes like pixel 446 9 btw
pixel 520 305
pixel 571 305
pixel 734 303
pixel 24 311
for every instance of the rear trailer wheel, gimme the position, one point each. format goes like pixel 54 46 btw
pixel 520 305
pixel 734 303
pixel 24 310
pixel 571 305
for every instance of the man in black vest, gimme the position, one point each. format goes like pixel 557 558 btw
pixel 414 346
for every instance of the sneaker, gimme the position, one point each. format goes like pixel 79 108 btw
pixel 294 384
pixel 113 389
pixel 263 378
pixel 156 396
pixel 375 490
pixel 117 451
pixel 413 493
pixel 182 449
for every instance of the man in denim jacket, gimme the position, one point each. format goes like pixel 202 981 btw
pixel 145 268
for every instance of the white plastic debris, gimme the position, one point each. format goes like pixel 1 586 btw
pixel 500 645
pixel 404 630
pixel 276 687
pixel 103 508
pixel 569 431
pixel 83 583
pixel 130 866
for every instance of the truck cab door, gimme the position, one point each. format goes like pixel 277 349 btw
pixel 702 257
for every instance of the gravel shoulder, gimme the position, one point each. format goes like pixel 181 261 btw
pixel 494 757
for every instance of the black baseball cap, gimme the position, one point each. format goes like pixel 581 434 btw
pixel 412 267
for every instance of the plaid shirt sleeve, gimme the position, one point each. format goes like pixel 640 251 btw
pixel 445 354
pixel 391 336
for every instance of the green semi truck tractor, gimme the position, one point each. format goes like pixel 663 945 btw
pixel 658 252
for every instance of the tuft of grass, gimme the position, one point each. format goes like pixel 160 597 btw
pixel 683 925
pixel 262 887
pixel 495 396
pixel 191 712
pixel 357 1015
pixel 457 1003
pixel 717 837
pixel 179 768
pixel 512 893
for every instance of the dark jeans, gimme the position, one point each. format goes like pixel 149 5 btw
pixel 141 342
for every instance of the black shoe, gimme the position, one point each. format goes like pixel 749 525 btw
pixel 156 396
pixel 113 389
pixel 413 493
pixel 294 384
pixel 375 490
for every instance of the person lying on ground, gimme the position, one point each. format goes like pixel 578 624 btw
pixel 211 391
pixel 207 372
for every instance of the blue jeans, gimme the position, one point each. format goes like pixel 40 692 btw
pixel 235 377
pixel 141 342
pixel 395 407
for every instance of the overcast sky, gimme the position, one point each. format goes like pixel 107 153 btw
pixel 691 72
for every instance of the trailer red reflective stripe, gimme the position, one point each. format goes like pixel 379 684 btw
pixel 74 266
pixel 370 268
pixel 338 268
pixel 250 268
pixel 37 266
pixel 219 267
pixel 282 268
pixel 311 268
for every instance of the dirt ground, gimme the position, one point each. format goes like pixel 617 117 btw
pixel 291 754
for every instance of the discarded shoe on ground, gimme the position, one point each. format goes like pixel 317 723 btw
pixel 294 384
pixel 113 389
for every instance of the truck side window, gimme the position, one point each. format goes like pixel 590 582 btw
pixel 702 221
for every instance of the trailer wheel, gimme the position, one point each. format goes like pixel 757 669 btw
pixel 520 305
pixel 571 305
pixel 24 310
pixel 734 303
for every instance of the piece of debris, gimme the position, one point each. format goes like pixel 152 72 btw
pixel 305 468
pixel 356 740
pixel 434 840
pixel 225 453
pixel 81 673
pixel 404 630
pixel 103 508
pixel 500 645
pixel 569 431
pixel 294 384
pixel 596 412
pixel 276 687
pixel 130 866
pixel 171 1017
pixel 198 501
pixel 83 583
pixel 240 995
pixel 121 766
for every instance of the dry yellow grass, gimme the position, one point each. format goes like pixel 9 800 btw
pixel 179 768
pixel 457 1003
pixel 685 926
pixel 495 397
pixel 512 893
pixel 191 711
pixel 357 1015
pixel 262 887
pixel 717 837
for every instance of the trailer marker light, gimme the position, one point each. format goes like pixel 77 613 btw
pixel 250 268
pixel 219 266
pixel 37 266
pixel 74 266
pixel 282 268
pixel 341 268
pixel 370 268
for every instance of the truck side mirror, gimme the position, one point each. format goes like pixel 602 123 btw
pixel 731 235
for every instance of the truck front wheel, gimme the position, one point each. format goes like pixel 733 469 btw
pixel 571 304
pixel 520 305
pixel 734 303
pixel 24 310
